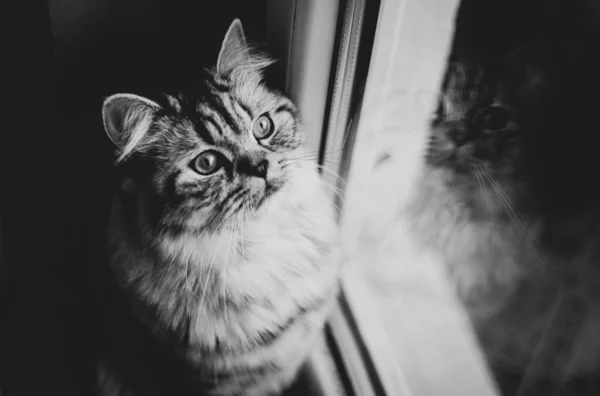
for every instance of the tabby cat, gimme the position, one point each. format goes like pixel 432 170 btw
pixel 534 303
pixel 221 234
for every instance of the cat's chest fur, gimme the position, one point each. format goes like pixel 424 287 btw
pixel 502 276
pixel 229 289
pixel 487 255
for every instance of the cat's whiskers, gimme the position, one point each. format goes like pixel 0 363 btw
pixel 501 193
pixel 312 159
pixel 338 191
pixel 522 225
pixel 482 191
pixel 336 164
pixel 330 172
pixel 314 154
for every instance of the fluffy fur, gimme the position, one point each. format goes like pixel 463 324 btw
pixel 234 269
pixel 533 301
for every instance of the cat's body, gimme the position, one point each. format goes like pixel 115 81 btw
pixel 509 285
pixel 261 311
pixel 222 235
pixel 474 205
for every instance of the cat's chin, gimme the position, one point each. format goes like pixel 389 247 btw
pixel 259 207
pixel 265 198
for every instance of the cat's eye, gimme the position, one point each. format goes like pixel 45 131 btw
pixel 206 163
pixel 263 127
pixel 493 118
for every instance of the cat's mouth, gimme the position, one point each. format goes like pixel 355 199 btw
pixel 254 205
pixel 270 190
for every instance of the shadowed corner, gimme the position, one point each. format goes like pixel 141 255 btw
pixel 3 264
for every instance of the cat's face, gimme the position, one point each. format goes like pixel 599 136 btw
pixel 480 129
pixel 195 161
pixel 476 123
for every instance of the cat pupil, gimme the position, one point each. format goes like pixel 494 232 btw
pixel 205 163
pixel 263 127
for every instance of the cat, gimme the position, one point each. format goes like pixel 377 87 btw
pixel 221 234
pixel 475 204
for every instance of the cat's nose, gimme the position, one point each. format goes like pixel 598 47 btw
pixel 459 136
pixel 261 168
pixel 254 166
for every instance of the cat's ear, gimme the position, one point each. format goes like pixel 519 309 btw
pixel 234 50
pixel 127 119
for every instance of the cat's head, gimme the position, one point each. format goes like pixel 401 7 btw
pixel 487 115
pixel 195 159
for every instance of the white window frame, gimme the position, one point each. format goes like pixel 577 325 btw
pixel 432 350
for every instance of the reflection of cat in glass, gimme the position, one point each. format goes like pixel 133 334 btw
pixel 476 207
pixel 222 234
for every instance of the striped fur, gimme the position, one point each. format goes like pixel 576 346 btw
pixel 475 205
pixel 237 272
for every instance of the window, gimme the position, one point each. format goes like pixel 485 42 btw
pixel 395 318
pixel 411 336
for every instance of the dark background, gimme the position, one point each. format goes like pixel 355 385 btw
pixel 56 162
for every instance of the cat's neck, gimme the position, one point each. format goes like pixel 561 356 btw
pixel 191 280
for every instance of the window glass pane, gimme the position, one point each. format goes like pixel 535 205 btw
pixel 470 229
